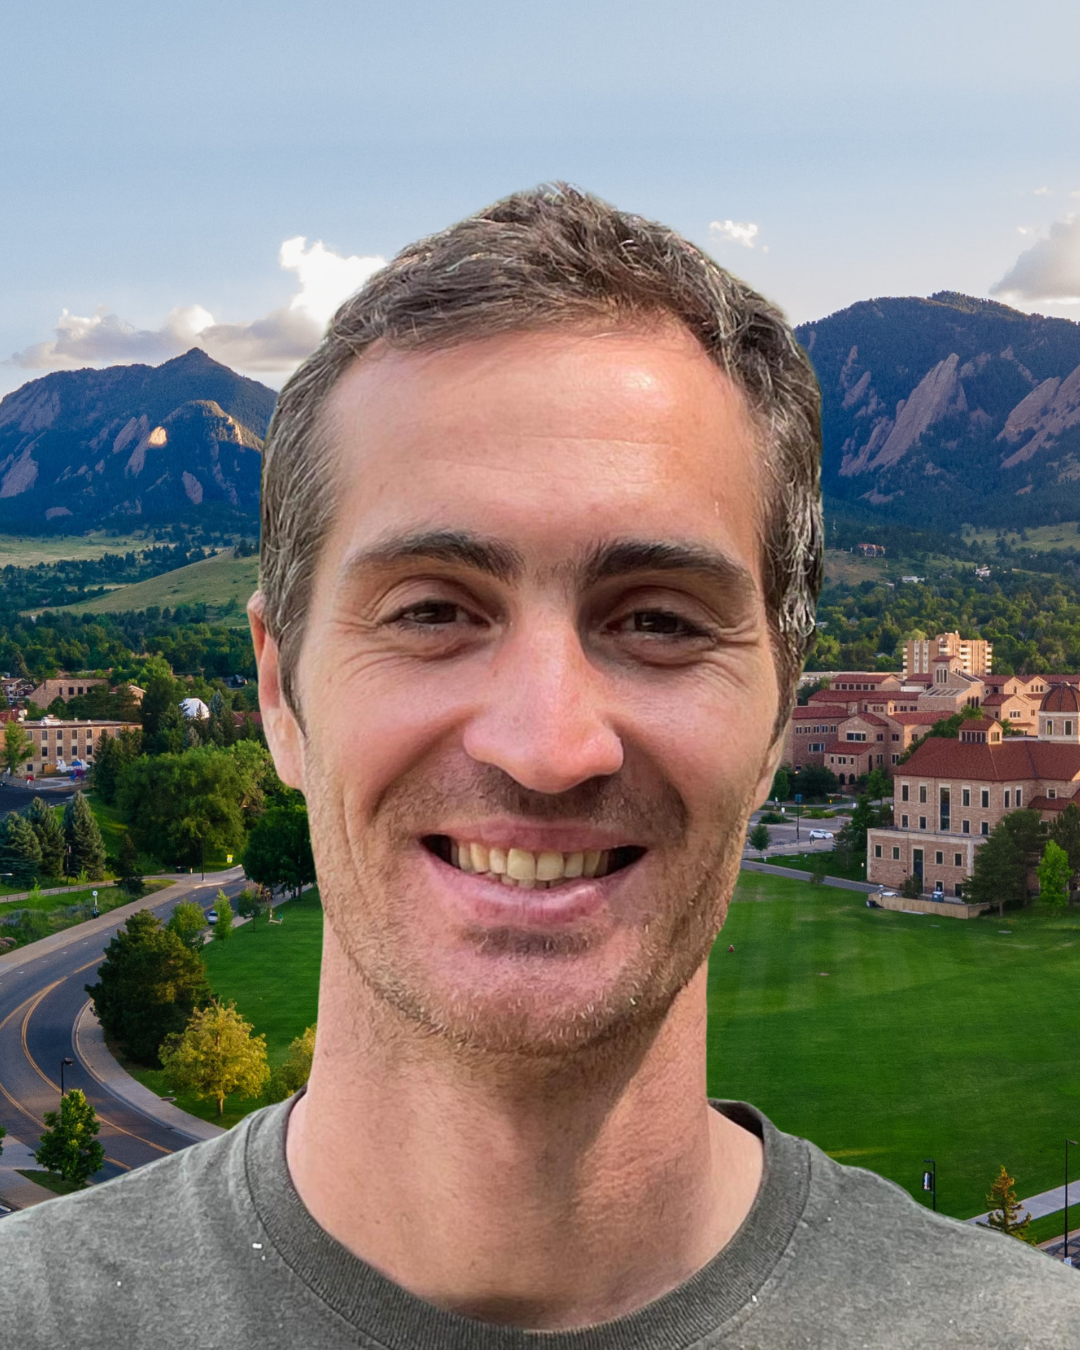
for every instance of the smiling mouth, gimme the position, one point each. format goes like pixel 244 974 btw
pixel 528 870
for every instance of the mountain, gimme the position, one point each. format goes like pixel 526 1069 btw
pixel 131 444
pixel 947 410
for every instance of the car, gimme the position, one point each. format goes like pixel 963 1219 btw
pixel 211 916
pixel 821 834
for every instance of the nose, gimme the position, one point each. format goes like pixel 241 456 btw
pixel 544 715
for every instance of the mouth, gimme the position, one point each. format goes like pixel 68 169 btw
pixel 527 869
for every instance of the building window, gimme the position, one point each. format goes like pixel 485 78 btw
pixel 896 735
pixel 965 796
pixel 1049 728
pixel 877 850
pixel 1068 728
pixel 958 860
pixel 965 827
pixel 1019 796
pixel 986 827
pixel 922 793
pixel 903 822
pixel 903 792
pixel 939 858
pixel 922 822
pixel 985 798
pixel 1051 793
pixel 944 798
pixel 1008 798
pixel 895 758
pixel 896 853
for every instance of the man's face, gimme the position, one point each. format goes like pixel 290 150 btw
pixel 536 681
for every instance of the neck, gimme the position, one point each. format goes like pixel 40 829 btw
pixel 549 1199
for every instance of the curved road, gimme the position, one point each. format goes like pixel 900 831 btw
pixel 41 996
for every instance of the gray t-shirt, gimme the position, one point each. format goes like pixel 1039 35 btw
pixel 212 1249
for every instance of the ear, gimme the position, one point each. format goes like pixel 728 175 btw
pixel 283 733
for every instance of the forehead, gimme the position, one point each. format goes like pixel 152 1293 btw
pixel 550 439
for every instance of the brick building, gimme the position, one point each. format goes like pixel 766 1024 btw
pixel 65 687
pixel 974 654
pixel 951 793
pixel 56 742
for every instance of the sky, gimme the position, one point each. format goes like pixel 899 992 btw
pixel 223 175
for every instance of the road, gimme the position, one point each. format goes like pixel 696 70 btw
pixel 17 796
pixel 41 995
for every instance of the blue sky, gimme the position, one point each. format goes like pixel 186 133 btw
pixel 155 159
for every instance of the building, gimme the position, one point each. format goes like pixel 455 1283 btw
pixel 811 728
pixel 974 654
pixel 870 550
pixel 951 793
pixel 57 743
pixel 65 687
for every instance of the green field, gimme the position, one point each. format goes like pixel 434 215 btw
pixel 1039 537
pixel 885 1038
pixel 29 550
pixel 271 972
pixel 214 582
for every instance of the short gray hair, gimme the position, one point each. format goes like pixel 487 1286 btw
pixel 554 256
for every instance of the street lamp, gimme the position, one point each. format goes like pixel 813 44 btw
pixel 1065 1249
pixel 66 1062
pixel 929 1181
pixel 94 894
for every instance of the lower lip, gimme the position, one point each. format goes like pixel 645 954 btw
pixel 492 903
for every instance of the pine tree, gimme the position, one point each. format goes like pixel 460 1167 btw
pixel 1065 832
pixel 999 876
pixel 128 867
pixel 68 1146
pixel 1005 1215
pixel 50 836
pixel 216 1055
pixel 85 848
pixel 20 852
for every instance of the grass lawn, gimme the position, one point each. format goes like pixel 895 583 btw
pixel 113 828
pixel 888 1038
pixel 49 1180
pixel 806 862
pixel 47 914
pixel 1053 1225
pixel 271 971
pixel 214 581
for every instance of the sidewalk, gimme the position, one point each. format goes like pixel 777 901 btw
pixel 16 1191
pixel 89 1044
pixel 1046 1202
pixel 748 865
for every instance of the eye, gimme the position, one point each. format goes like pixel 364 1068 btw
pixel 431 614
pixel 659 623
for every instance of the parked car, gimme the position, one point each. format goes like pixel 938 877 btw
pixel 821 834
pixel 211 916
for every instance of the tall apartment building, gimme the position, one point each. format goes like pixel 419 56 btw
pixel 975 654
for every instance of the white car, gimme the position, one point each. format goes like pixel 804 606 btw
pixel 211 916
pixel 821 834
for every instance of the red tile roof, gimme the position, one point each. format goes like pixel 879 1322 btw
pixel 863 676
pixel 872 718
pixel 849 747
pixel 835 696
pixel 820 710
pixel 916 719
pixel 996 700
pixel 1049 803
pixel 1015 758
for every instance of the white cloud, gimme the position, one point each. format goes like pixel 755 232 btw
pixel 734 231
pixel 1049 270
pixel 272 345
pixel 1042 192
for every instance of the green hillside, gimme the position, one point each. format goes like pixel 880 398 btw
pixel 214 582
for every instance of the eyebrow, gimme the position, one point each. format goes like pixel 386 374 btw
pixel 604 562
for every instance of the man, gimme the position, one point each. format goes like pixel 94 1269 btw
pixel 541 545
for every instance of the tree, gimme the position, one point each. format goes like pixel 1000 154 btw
pixel 781 786
pixel 278 851
pixel 1054 875
pixel 20 852
pixel 50 836
pixel 760 838
pixel 17 747
pixel 68 1146
pixel 246 904
pixel 1005 1214
pixel 183 807
pixel 188 922
pixel 112 754
pixel 911 888
pixel 163 722
pixel 127 865
pixel 291 1076
pixel 999 875
pixel 815 780
pixel 84 846
pixel 1065 832
pixel 148 986
pixel 224 926
pixel 878 785
pixel 216 1055
pixel 851 840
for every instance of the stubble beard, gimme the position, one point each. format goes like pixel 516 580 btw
pixel 356 867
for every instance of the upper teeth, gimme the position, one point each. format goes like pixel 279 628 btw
pixel 519 866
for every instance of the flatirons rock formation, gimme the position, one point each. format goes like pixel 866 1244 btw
pixel 128 444
pixel 950 409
